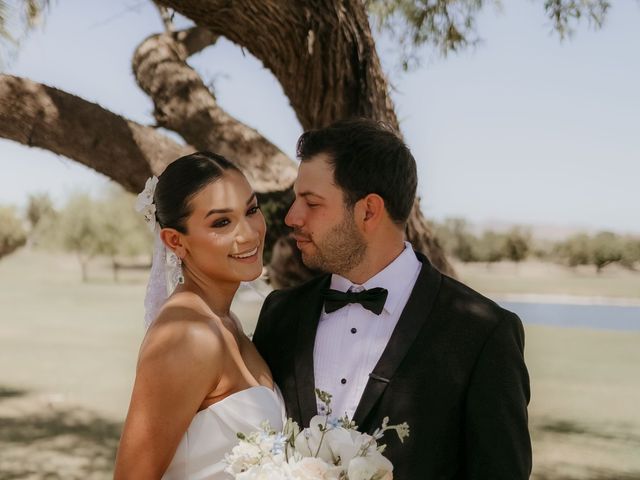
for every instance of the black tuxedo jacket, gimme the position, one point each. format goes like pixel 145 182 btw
pixel 453 370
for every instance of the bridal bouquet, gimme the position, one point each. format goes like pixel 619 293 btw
pixel 329 449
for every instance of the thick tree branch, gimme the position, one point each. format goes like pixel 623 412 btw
pixel 184 104
pixel 321 52
pixel 37 115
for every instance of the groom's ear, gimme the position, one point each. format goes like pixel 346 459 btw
pixel 173 241
pixel 369 211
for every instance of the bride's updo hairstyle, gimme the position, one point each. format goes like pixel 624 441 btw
pixel 183 179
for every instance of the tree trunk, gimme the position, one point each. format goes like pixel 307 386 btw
pixel 323 54
pixel 115 269
pixel 321 51
pixel 184 104
pixel 84 267
pixel 421 236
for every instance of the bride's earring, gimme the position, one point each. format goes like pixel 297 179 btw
pixel 180 276
pixel 174 269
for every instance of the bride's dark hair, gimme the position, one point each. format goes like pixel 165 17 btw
pixel 180 181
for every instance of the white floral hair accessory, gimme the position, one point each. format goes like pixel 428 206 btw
pixel 166 267
pixel 145 205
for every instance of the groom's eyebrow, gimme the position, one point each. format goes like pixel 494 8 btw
pixel 307 194
pixel 229 210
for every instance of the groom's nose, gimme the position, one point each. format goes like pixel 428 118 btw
pixel 293 217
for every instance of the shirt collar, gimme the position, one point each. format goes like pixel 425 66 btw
pixel 396 277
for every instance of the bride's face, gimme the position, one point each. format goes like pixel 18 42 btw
pixel 225 231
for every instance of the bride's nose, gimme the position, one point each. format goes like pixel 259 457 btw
pixel 247 232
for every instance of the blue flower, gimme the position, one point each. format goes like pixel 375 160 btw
pixel 333 422
pixel 278 444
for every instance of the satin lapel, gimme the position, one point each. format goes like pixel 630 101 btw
pixel 413 317
pixel 308 315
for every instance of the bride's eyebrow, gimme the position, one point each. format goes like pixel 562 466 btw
pixel 228 210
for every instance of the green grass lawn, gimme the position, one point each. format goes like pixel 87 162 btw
pixel 585 405
pixel 68 353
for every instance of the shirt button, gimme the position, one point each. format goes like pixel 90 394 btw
pixel 354 330
pixel 343 381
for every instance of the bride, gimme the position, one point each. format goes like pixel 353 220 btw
pixel 199 379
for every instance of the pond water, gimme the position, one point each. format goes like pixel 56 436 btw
pixel 608 317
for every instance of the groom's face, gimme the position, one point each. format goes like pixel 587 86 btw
pixel 323 227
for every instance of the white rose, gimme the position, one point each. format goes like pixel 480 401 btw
pixel 365 468
pixel 310 468
pixel 302 446
pixel 360 468
pixel 346 444
pixel 384 465
pixel 243 456
pixel 268 471
pixel 266 444
pixel 310 441
pixel 343 444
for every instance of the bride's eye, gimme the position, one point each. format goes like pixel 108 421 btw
pixel 253 210
pixel 222 222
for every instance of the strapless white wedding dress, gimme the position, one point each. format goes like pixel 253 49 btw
pixel 213 432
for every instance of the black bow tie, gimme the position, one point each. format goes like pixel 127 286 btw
pixel 372 299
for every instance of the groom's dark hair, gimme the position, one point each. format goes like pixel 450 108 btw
pixel 180 181
pixel 367 157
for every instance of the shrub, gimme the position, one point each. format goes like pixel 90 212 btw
pixel 12 233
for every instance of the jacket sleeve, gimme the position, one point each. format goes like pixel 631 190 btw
pixel 498 445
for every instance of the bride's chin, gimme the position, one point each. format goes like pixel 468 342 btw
pixel 252 278
pixel 254 275
pixel 248 273
pixel 248 270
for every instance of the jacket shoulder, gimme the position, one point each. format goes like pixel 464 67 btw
pixel 471 307
pixel 283 298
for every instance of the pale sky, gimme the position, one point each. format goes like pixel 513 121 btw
pixel 523 129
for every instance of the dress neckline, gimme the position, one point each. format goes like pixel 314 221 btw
pixel 235 394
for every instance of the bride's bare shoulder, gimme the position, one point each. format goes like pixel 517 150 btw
pixel 186 325
pixel 184 306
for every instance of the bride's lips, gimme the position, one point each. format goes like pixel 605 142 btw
pixel 248 256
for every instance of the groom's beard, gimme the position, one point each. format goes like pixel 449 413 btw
pixel 339 251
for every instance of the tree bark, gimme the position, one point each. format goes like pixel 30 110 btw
pixel 37 115
pixel 420 235
pixel 184 104
pixel 323 54
pixel 321 51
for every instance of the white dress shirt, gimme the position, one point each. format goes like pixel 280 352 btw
pixel 350 341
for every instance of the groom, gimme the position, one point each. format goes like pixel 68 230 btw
pixel 385 332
